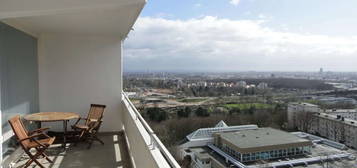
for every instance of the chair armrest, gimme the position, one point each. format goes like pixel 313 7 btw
pixel 39 143
pixel 93 120
pixel 79 119
pixel 36 134
pixel 30 137
pixel 38 130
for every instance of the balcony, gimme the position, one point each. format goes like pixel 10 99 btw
pixel 63 57
pixel 135 146
pixel 144 145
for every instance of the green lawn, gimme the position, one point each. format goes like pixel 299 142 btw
pixel 316 102
pixel 246 106
pixel 134 99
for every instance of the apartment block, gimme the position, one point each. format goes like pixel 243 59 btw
pixel 297 108
pixel 336 128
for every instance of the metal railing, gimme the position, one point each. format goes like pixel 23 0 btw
pixel 155 141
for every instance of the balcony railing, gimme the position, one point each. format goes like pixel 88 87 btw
pixel 145 147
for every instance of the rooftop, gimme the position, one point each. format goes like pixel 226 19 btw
pixel 303 104
pixel 204 133
pixel 341 111
pixel 334 118
pixel 201 153
pixel 262 139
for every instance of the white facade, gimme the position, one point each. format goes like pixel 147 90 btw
pixel 337 124
pixel 295 108
pixel 335 128
pixel 262 86
pixel 241 84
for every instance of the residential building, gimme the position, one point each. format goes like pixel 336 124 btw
pixel 63 56
pixel 263 86
pixel 346 113
pixel 242 84
pixel 335 124
pixel 295 108
pixel 336 128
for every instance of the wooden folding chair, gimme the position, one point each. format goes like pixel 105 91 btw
pixel 88 131
pixel 30 140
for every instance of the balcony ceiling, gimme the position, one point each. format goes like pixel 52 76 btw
pixel 94 17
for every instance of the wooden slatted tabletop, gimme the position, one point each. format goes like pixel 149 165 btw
pixel 51 116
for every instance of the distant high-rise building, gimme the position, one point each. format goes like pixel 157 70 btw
pixel 262 86
pixel 321 70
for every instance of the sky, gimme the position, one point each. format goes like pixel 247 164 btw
pixel 243 35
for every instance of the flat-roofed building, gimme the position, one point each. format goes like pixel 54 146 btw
pixel 294 109
pixel 249 146
pixel 201 157
pixel 336 128
pixel 261 144
pixel 346 113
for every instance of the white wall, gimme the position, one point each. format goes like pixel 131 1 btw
pixel 75 71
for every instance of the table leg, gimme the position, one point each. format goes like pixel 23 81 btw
pixel 64 132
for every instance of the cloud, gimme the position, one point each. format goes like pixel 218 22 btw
pixel 211 43
pixel 234 2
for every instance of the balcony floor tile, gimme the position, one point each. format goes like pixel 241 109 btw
pixel 113 154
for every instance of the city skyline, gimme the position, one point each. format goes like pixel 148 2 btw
pixel 245 35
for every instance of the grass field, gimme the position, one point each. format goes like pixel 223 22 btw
pixel 246 106
pixel 316 102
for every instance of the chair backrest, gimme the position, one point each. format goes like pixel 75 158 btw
pixel 95 112
pixel 19 130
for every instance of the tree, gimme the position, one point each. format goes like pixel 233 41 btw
pixel 202 112
pixel 157 114
pixel 304 121
pixel 188 110
pixel 181 113
pixel 184 113
pixel 252 109
pixel 278 107
pixel 234 110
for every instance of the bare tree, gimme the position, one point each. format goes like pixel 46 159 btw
pixel 304 121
